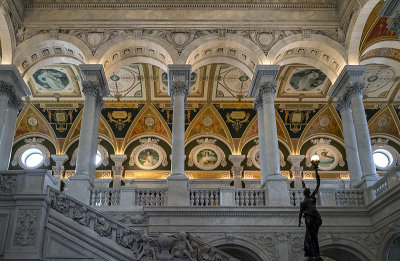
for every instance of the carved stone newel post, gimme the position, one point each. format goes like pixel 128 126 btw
pixel 178 89
pixel 12 89
pixel 58 169
pixel 296 169
pixel 263 87
pixel 237 169
pixel 95 88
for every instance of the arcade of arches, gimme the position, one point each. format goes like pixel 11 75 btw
pixel 171 116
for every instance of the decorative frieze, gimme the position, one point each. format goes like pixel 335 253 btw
pixel 7 184
pixel 27 226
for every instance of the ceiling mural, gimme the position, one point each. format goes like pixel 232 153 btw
pixel 390 53
pixel 63 79
pixel 230 82
pixel 304 81
pixel 128 81
pixel 386 121
pixel 380 81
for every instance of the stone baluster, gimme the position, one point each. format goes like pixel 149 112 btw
pixel 58 169
pixel 94 88
pixel 349 85
pixel 264 84
pixel 296 169
pixel 118 169
pixel 12 90
pixel 237 169
pixel 349 134
pixel 178 89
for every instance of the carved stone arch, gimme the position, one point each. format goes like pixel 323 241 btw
pixel 209 122
pixel 42 128
pixel 42 47
pixel 7 37
pixel 355 31
pixel 244 241
pixel 382 44
pixel 146 136
pixel 391 239
pixel 322 43
pixel 346 250
pixel 121 48
pixel 140 127
pixel 212 137
pixel 325 122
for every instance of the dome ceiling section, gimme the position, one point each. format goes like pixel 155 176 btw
pixel 302 81
pixel 55 81
pixel 381 82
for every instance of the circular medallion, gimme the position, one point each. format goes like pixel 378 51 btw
pixel 383 122
pixel 148 158
pixel 324 121
pixel 265 39
pixel 149 121
pixel 32 121
pixel 207 159
pixel 207 121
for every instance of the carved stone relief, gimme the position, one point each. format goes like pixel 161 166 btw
pixel 26 227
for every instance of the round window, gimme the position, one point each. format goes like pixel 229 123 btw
pixel 32 158
pixel 99 159
pixel 382 158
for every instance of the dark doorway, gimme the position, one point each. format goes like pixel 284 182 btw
pixel 240 252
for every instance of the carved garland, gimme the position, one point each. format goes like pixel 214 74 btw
pixel 31 143
pixel 324 144
pixel 251 157
pixel 203 145
pixel 148 143
pixel 103 152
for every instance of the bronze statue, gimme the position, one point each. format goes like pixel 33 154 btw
pixel 313 220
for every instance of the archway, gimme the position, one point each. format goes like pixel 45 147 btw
pixel 240 252
pixel 341 253
pixel 392 250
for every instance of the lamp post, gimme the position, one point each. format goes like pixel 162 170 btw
pixel 313 220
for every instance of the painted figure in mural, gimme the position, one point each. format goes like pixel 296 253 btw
pixel 149 160
pixel 307 80
pixel 208 159
pixel 313 221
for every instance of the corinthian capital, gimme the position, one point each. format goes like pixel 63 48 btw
pixel 6 88
pixel 343 104
pixel 268 88
pixel 15 103
pixel 90 88
pixel 356 88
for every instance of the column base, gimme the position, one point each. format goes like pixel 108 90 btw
pixel 367 181
pixel 277 190
pixel 178 191
pixel 78 188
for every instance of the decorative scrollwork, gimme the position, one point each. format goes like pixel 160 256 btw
pixel 31 143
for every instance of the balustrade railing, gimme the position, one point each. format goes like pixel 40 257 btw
pixel 389 180
pixel 102 197
pixel 204 198
pixel 296 196
pixel 349 198
pixel 150 197
pixel 250 198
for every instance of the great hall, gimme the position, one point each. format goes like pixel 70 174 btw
pixel 184 130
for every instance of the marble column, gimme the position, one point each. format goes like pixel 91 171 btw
pixel 12 90
pixel 178 89
pixel 349 134
pixel 264 84
pixel 296 169
pixel 237 169
pixel 355 93
pixel 94 88
pixel 117 169
pixel 258 106
pixel 58 169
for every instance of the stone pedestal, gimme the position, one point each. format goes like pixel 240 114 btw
pixel 12 90
pixel 237 169
pixel 95 88
pixel 117 169
pixel 178 89
pixel 58 169
pixel 296 169
pixel 227 196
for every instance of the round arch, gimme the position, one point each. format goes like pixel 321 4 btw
pixel 240 252
pixel 144 136
pixel 355 31
pixel 395 65
pixel 6 38
pixel 137 59
pixel 343 252
pixel 391 249
pixel 209 136
pixel 383 44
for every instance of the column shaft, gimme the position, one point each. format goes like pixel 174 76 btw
pixel 362 136
pixel 95 139
pixel 349 135
pixel 7 137
pixel 261 140
pixel 3 110
pixel 271 136
pixel 178 135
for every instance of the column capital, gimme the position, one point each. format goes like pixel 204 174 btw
pixel 295 160
pixel 258 103
pixel 12 83
pixel 350 75
pixel 179 80
pixel 94 80
pixel 268 88
pixel 236 159
pixel 264 78
pixel 15 103
pixel 356 88
pixel 343 104
pixel 59 159
pixel 118 159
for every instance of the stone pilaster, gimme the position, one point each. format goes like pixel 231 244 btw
pixel 178 89
pixel 58 169
pixel 94 88
pixel 117 169
pixel 12 90
pixel 264 85
pixel 296 169
pixel 343 105
pixel 237 169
